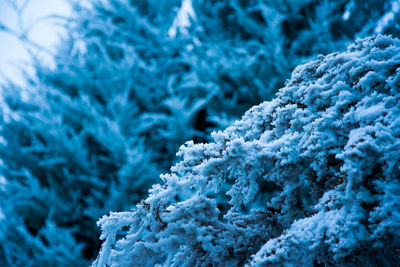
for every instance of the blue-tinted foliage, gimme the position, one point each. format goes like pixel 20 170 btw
pixel 311 177
pixel 131 83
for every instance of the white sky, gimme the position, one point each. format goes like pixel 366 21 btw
pixel 45 33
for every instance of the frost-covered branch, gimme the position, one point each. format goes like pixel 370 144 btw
pixel 312 176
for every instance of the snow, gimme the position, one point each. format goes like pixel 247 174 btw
pixel 308 177
pixel 388 17
pixel 182 20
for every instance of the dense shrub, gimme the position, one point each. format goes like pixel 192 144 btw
pixel 311 177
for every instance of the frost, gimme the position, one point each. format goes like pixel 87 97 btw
pixel 3 183
pixel 391 15
pixel 347 12
pixel 91 133
pixel 182 20
pixel 309 177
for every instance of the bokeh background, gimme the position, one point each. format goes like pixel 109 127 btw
pixel 45 32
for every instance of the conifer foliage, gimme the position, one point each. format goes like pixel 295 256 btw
pixel 135 79
pixel 312 176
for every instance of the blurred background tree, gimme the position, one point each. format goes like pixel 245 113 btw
pixel 131 82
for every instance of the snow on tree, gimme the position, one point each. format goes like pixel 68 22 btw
pixel 311 177
pixel 132 80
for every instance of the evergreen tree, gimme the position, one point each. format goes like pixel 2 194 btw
pixel 131 83
pixel 311 177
